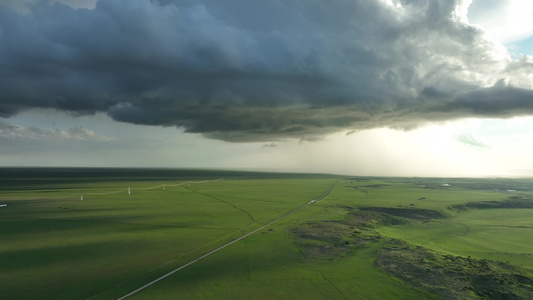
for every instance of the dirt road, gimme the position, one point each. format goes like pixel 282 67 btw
pixel 227 244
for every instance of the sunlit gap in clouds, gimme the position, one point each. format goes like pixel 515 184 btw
pixel 464 148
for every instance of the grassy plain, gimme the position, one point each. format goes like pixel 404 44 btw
pixel 56 246
pixel 496 234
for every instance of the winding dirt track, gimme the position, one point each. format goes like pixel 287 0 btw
pixel 227 244
pixel 252 219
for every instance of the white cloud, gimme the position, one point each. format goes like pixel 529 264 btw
pixel 471 140
pixel 507 21
pixel 76 133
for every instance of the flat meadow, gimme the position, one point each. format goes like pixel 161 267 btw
pixel 102 233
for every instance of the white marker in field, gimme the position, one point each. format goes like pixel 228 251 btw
pixel 129 191
pixel 81 197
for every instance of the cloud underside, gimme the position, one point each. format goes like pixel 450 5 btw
pixel 250 71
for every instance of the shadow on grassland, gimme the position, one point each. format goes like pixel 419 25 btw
pixel 522 201
pixel 444 276
pixel 31 178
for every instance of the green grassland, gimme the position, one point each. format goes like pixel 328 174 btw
pixel 369 238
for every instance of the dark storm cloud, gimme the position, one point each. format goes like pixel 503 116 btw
pixel 258 70
pixel 496 101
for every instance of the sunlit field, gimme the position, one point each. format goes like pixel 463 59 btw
pixel 103 233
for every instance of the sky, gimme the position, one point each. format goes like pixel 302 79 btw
pixel 373 88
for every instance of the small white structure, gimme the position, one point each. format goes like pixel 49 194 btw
pixel 129 191
pixel 3 205
pixel 81 197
